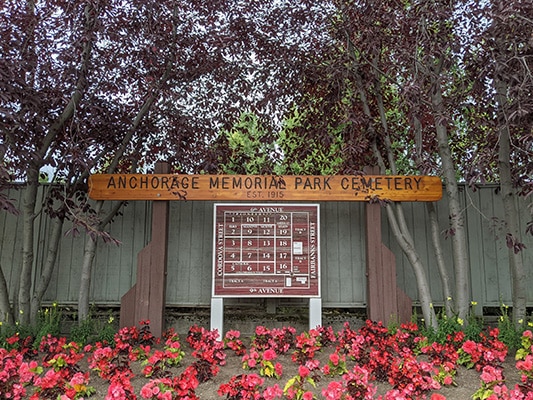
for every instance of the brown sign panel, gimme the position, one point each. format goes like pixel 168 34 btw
pixel 264 187
pixel 267 250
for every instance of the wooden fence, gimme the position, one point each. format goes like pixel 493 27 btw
pixel 342 253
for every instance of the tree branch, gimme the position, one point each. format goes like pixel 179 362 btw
pixel 70 108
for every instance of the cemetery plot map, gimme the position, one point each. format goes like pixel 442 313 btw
pixel 266 250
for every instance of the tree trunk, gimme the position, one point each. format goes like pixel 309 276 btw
pixel 395 214
pixel 85 278
pixel 23 302
pixel 88 259
pixel 48 268
pixel 91 245
pixel 6 312
pixel 23 310
pixel 457 228
pixel 395 211
pixel 439 256
pixel 435 229
pixel 516 263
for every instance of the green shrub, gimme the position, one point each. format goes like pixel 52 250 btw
pixel 509 333
pixel 92 330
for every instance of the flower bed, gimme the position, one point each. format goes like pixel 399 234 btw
pixel 367 363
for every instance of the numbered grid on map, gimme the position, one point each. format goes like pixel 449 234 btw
pixel 255 277
pixel 257 243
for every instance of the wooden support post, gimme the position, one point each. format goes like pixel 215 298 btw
pixel 385 301
pixel 158 267
pixel 388 288
pixel 373 262
pixel 146 299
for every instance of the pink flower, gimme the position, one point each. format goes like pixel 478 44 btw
pixel 174 344
pixel 273 392
pixel 525 365
pixel 437 396
pixel 148 370
pixel 334 358
pixel 312 364
pixel 232 334
pixel 516 393
pixel 469 346
pixel 489 355
pixel 278 368
pixel 146 391
pixel 252 363
pixel 308 396
pixel 165 396
pixel 115 391
pixel 260 330
pixel 26 371
pixel 334 391
pixel 269 355
pixel 303 371
pixel 77 379
pixel 491 374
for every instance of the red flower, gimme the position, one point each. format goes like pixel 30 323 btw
pixel 334 358
pixel 469 346
pixel 491 374
pixel 278 368
pixel 13 339
pixel 269 355
pixel 273 392
pixel 303 371
pixel 308 396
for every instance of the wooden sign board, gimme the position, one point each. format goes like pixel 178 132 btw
pixel 266 250
pixel 264 187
